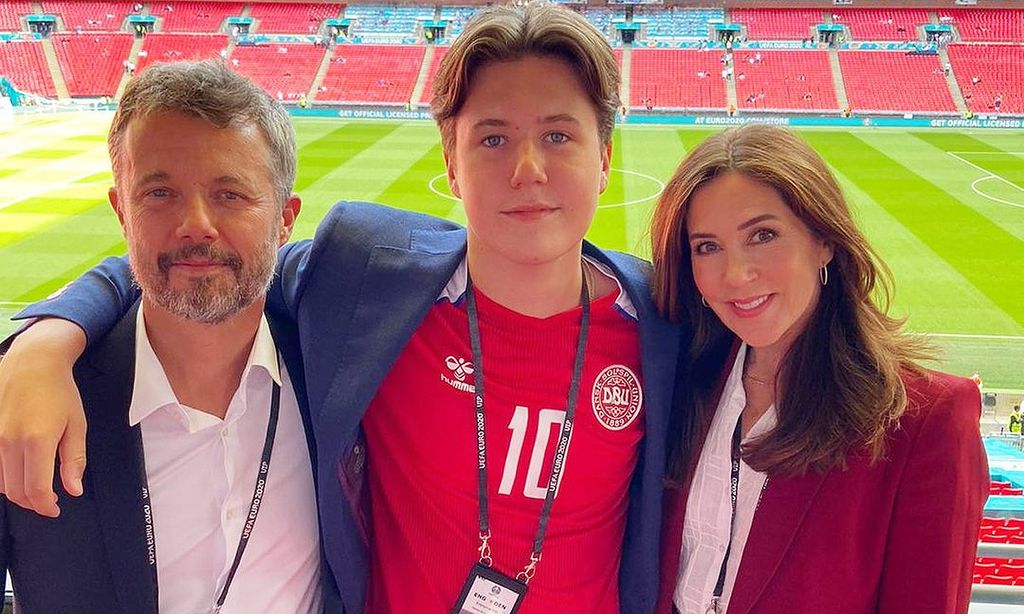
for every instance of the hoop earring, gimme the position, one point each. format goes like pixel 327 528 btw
pixel 823 274
pixel 704 301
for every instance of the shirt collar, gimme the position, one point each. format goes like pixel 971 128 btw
pixel 456 287
pixel 152 390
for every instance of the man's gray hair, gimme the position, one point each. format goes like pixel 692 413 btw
pixel 210 91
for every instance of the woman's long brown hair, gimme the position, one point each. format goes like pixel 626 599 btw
pixel 840 380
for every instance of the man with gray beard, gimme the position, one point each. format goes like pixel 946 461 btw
pixel 198 494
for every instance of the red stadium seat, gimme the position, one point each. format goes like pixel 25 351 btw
pixel 428 86
pixel 24 64
pixel 778 24
pixel 870 75
pixel 881 24
pixel 784 80
pixel 286 18
pixel 677 78
pixel 11 12
pixel 998 579
pixel 372 73
pixel 985 25
pixel 92 63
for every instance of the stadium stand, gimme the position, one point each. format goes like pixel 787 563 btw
pixel 992 25
pixel 675 23
pixel 990 73
pixel 777 24
pixel 280 18
pixel 194 16
pixel 387 19
pixel 428 85
pixel 672 78
pixel 457 16
pixel 92 64
pixel 10 15
pixel 881 24
pixel 784 80
pixel 878 81
pixel 286 71
pixel 601 17
pixel 90 16
pixel 371 74
pixel 162 47
pixel 24 64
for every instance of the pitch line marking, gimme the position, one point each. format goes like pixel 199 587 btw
pixel 989 175
pixel 635 201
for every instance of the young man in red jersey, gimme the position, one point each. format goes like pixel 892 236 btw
pixel 460 379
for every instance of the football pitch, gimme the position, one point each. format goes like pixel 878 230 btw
pixel 944 209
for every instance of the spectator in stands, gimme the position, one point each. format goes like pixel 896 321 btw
pixel 809 397
pixel 997 102
pixel 188 381
pixel 1015 420
pixel 385 302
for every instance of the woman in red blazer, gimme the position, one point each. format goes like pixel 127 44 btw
pixel 818 468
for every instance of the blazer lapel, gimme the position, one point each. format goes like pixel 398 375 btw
pixel 782 510
pixel 106 377
pixel 398 288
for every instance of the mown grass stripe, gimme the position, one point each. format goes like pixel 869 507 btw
pixel 985 254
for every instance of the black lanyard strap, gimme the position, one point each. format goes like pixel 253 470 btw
pixel 561 451
pixel 254 504
pixel 734 488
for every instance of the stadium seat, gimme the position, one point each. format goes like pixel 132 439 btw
pixel 671 78
pixel 11 13
pixel 881 81
pixel 456 16
pixel 881 24
pixel 161 47
pixel 24 63
pixel 371 74
pixel 985 72
pixel 784 80
pixel 428 85
pixel 92 64
pixel 778 24
pixel 992 25
pixel 678 22
pixel 285 71
pixel 386 18
pixel 194 16
pixel 998 579
pixel 285 18
pixel 90 16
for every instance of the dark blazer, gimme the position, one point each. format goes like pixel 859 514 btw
pixel 93 557
pixel 896 537
pixel 357 293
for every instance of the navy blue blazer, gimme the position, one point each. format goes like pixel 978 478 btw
pixel 357 292
pixel 93 558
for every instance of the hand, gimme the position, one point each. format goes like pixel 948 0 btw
pixel 41 414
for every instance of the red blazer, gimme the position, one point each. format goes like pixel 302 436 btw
pixel 898 537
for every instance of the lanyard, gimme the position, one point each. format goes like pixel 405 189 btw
pixel 254 505
pixel 561 452
pixel 734 487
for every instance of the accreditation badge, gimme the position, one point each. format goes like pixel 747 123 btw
pixel 487 591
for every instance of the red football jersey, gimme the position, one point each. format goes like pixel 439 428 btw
pixel 421 441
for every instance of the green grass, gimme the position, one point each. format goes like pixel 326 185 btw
pixel 950 225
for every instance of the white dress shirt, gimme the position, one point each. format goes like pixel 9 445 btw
pixel 706 528
pixel 202 472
